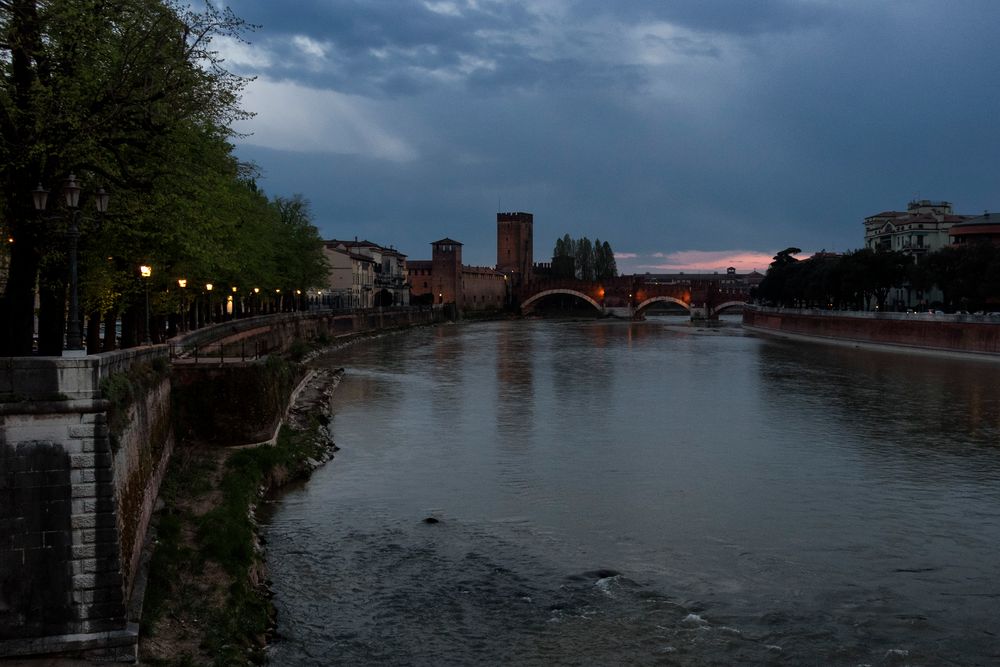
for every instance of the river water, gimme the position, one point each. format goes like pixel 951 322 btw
pixel 644 493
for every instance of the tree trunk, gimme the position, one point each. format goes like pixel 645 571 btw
pixel 129 328
pixel 17 326
pixel 110 333
pixel 94 332
pixel 51 309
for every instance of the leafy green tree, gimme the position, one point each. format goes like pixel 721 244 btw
pixel 103 89
pixel 968 275
pixel 564 258
pixel 300 257
pixel 609 267
pixel 585 259
pixel 775 287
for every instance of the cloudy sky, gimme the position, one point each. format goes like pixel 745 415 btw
pixel 688 133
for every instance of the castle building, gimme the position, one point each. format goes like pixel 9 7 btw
pixel 515 252
pixel 445 280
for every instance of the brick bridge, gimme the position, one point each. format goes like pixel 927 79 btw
pixel 630 296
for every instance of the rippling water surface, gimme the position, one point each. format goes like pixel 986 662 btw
pixel 644 493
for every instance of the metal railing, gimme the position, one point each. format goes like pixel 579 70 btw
pixel 219 353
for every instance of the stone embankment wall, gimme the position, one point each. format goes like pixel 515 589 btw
pixel 945 333
pixel 274 333
pixel 76 495
pixel 84 445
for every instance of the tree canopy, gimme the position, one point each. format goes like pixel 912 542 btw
pixel 130 96
pixel 967 275
pixel 583 259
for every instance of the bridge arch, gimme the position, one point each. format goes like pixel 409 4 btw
pixel 728 304
pixel 528 303
pixel 654 299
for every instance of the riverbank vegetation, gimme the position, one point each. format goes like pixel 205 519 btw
pixel 207 600
pixel 131 96
pixel 967 276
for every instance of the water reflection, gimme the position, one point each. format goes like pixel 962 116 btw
pixel 514 359
pixel 753 493
pixel 916 403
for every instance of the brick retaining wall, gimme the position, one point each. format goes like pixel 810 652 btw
pixel 965 334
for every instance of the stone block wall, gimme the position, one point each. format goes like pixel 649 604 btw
pixel 60 574
pixel 75 501
pixel 274 333
pixel 139 458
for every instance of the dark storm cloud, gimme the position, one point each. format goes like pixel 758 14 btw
pixel 724 16
pixel 660 126
pixel 381 47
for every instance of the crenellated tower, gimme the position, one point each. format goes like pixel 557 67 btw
pixel 515 252
pixel 446 258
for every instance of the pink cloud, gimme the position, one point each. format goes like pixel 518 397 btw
pixel 625 255
pixel 709 260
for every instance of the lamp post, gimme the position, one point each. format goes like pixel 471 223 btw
pixel 146 272
pixel 71 192
pixel 183 283
pixel 208 290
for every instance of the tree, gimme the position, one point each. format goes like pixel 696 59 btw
pixel 104 90
pixel 564 258
pixel 610 268
pixel 301 261
pixel 968 275
pixel 775 287
pixel 585 259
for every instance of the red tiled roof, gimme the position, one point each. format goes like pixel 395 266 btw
pixel 975 229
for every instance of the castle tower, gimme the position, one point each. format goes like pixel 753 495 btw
pixel 446 269
pixel 515 251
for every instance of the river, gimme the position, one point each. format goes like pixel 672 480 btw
pixel 644 493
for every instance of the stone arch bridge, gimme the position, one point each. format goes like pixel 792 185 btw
pixel 630 296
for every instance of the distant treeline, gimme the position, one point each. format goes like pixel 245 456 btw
pixel 583 260
pixel 968 277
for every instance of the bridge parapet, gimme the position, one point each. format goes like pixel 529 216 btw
pixel 703 298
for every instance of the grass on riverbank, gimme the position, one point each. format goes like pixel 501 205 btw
pixel 206 601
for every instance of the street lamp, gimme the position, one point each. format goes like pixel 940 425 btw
pixel 71 192
pixel 183 283
pixel 146 272
pixel 208 288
